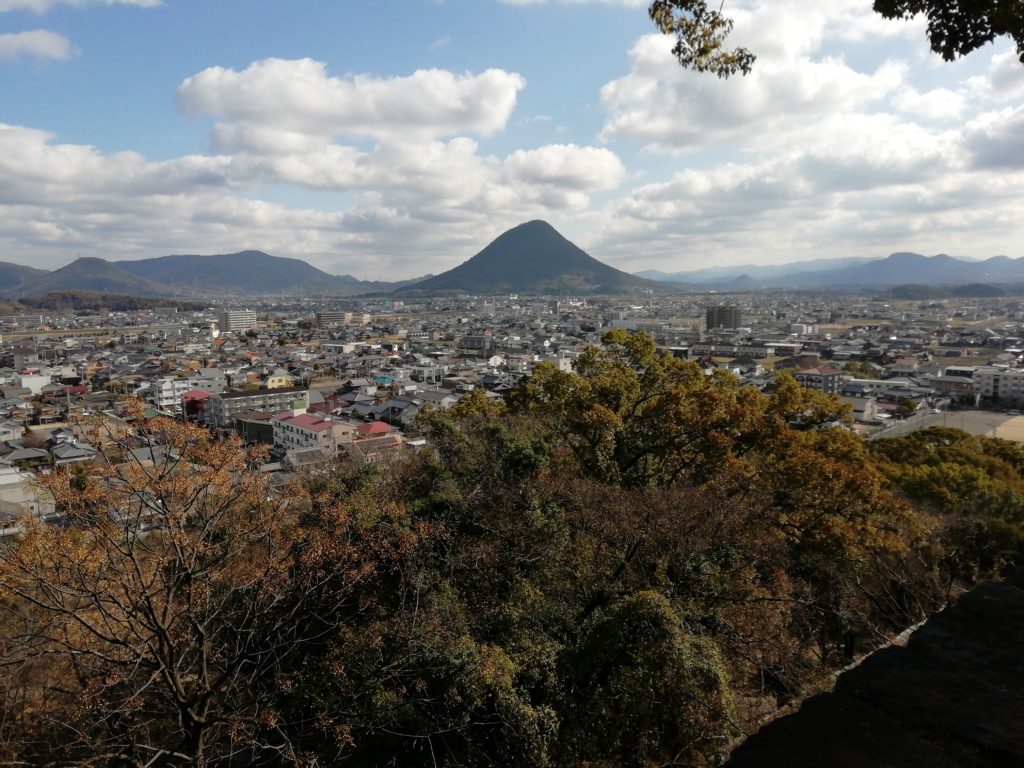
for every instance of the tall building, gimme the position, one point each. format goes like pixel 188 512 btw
pixel 723 316
pixel 233 320
pixel 332 317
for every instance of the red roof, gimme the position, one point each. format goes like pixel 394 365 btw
pixel 196 394
pixel 308 421
pixel 374 428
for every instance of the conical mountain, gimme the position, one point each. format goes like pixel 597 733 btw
pixel 530 258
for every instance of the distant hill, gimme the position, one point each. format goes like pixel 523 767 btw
pixel 972 291
pixel 913 268
pixel 244 272
pixel 92 274
pixel 530 258
pixel 897 269
pixel 756 272
pixel 252 272
pixel 95 301
pixel 14 277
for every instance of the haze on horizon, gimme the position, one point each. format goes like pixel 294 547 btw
pixel 137 128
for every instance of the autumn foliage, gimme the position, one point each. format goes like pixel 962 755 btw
pixel 625 565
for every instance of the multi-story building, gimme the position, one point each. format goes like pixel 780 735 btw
pixel 332 317
pixel 309 430
pixel 723 316
pixel 234 320
pixel 221 410
pixel 827 380
pixel 1003 385
pixel 329 317
pixel 166 393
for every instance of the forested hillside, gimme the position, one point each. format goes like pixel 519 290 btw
pixel 628 565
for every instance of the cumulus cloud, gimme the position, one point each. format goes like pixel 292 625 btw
pixel 299 97
pixel 38 43
pixel 665 106
pixel 996 139
pixel 814 154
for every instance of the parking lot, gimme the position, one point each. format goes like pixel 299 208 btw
pixel 989 423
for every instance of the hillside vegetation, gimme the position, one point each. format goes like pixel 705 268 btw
pixel 623 566
pixel 96 301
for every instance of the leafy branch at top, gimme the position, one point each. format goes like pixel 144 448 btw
pixel 700 37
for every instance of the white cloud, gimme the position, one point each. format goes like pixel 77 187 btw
pixel 936 104
pixel 568 166
pixel 38 43
pixel 414 207
pixel 996 139
pixel 663 105
pixel 299 97
pixel 1003 82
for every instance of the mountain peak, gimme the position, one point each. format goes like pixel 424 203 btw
pixel 532 257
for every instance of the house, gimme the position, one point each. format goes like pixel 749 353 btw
pixel 71 453
pixel 306 458
pixel 10 430
pixel 371 450
pixel 20 495
pixel 865 410
pixel 280 378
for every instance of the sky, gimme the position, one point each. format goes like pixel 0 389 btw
pixel 394 138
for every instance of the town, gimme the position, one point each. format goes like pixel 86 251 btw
pixel 315 380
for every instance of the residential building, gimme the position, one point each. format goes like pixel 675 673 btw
pixel 166 393
pixel 222 409
pixel 1003 385
pixel 723 316
pixel 235 320
pixel 827 380
pixel 309 430
pixel 329 317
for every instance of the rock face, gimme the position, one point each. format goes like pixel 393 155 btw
pixel 953 697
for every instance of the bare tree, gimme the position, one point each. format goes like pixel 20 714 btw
pixel 152 628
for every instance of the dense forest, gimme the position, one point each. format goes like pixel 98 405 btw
pixel 627 565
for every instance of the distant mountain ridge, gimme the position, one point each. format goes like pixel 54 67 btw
pixel 897 269
pixel 530 258
pixel 246 272
pixel 758 272
pixel 91 274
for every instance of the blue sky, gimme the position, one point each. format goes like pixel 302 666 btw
pixel 396 138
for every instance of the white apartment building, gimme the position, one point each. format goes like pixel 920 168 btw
pixel 165 393
pixel 309 430
pixel 234 320
pixel 221 410
pixel 1004 385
